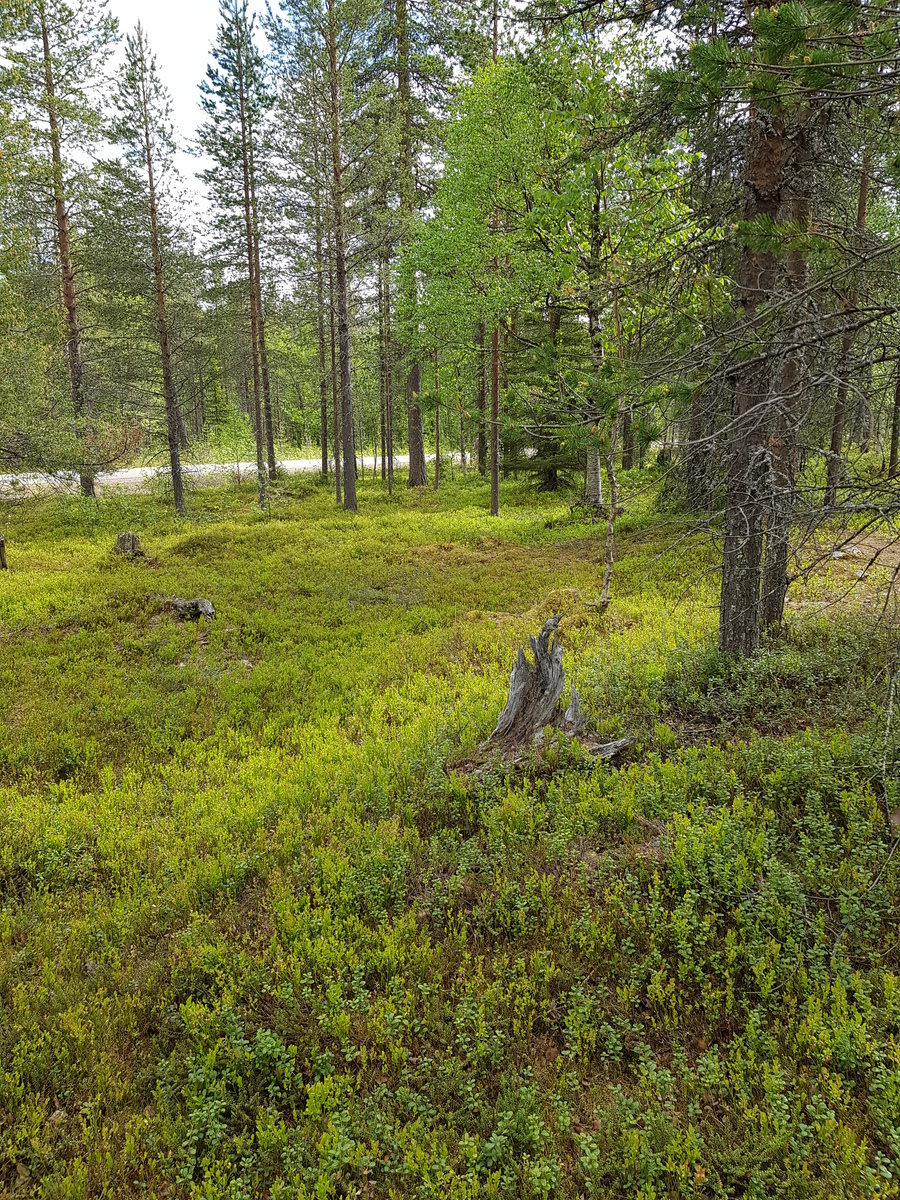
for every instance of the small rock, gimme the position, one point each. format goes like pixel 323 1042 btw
pixel 854 551
pixel 838 554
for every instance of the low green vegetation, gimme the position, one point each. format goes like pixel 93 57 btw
pixel 273 925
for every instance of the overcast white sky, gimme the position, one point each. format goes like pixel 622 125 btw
pixel 180 33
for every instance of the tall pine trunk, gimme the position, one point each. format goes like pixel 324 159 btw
pixel 795 211
pixel 418 472
pixel 74 361
pixel 747 466
pixel 495 356
pixel 418 469
pixel 264 372
pixel 174 423
pixel 320 322
pixel 260 312
pixel 437 424
pixel 340 260
pixel 335 388
pixel 895 426
pixel 321 304
pixel 382 384
pixel 388 378
pixel 252 281
pixel 839 418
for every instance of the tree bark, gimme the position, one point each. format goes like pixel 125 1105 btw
pixel 382 371
pixel 388 379
pixel 745 506
pixel 437 424
pixel 418 466
pixel 418 470
pixel 174 425
pixel 895 426
pixel 264 371
pixel 335 392
pixel 495 421
pixel 796 210
pixel 592 485
pixel 549 478
pixel 261 318
pixel 481 399
pixel 835 457
pixel 251 275
pixel 320 323
pixel 340 252
pixel 67 273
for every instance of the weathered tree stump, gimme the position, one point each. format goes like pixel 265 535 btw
pixel 129 545
pixel 535 701
pixel 535 691
pixel 3 566
pixel 192 610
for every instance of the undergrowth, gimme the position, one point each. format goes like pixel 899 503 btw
pixel 264 932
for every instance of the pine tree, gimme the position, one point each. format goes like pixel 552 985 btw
pixel 320 48
pixel 233 98
pixel 144 131
pixel 783 84
pixel 58 55
pixel 335 86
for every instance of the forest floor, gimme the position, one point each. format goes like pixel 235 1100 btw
pixel 262 936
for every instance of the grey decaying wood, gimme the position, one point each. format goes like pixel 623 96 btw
pixel 192 610
pixel 535 701
pixel 534 690
pixel 129 544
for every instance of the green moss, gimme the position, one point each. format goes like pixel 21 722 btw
pixel 264 933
